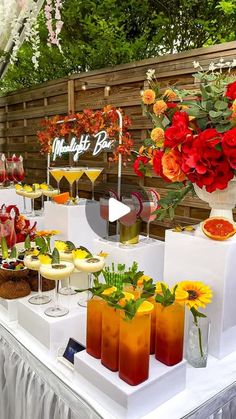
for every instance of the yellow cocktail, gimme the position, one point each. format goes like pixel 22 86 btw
pixel 73 175
pixel 57 173
pixel 93 174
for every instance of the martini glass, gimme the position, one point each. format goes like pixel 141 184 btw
pixel 93 174
pixel 32 262
pixel 71 176
pixel 57 173
pixel 80 172
pixel 56 272
pixel 148 207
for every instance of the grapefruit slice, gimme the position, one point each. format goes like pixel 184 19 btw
pixel 155 197
pixel 218 228
pixel 62 198
pixel 138 202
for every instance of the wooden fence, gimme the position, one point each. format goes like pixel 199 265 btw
pixel 21 112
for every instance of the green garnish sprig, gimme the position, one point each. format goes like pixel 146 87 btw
pixel 167 297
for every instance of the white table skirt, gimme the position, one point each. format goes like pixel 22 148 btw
pixel 33 385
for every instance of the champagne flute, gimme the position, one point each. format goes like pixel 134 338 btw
pixel 93 174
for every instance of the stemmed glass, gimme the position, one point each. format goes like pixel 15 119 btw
pixel 56 272
pixel 32 262
pixel 73 174
pixel 80 172
pixel 148 207
pixel 104 213
pixel 2 171
pixel 18 169
pixel 10 171
pixel 57 173
pixel 129 228
pixel 93 174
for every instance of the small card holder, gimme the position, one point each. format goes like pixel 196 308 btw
pixel 66 355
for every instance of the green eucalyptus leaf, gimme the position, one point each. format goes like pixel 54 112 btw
pixel 221 105
pixel 55 256
pixel 27 244
pixel 215 114
pixel 13 253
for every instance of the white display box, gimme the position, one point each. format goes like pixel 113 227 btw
pixel 192 256
pixel 8 196
pixel 163 383
pixel 10 309
pixel 149 256
pixel 39 220
pixel 54 333
pixel 80 224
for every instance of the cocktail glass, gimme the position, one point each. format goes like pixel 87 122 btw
pixel 93 174
pixel 32 262
pixel 104 213
pixel 80 172
pixel 10 171
pixel 68 257
pixel 56 272
pixel 129 225
pixel 49 193
pixel 2 171
pixel 148 207
pixel 72 175
pixel 89 265
pixel 57 173
pixel 18 169
pixel 33 195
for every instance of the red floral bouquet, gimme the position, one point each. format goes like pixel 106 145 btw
pixel 193 140
pixel 22 226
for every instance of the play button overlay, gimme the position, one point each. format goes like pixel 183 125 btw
pixel 117 209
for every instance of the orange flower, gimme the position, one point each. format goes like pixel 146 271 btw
pixel 170 94
pixel 47 233
pixel 158 136
pixel 148 96
pixel 171 163
pixel 141 150
pixel 159 107
pixel 234 108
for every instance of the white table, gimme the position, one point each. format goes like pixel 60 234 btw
pixel 33 382
pixel 8 196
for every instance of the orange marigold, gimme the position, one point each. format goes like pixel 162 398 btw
pixel 148 96
pixel 171 163
pixel 159 107
pixel 158 136
pixel 170 94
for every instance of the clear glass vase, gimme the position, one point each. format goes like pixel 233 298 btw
pixel 197 343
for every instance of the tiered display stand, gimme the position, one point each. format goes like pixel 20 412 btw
pixel 192 256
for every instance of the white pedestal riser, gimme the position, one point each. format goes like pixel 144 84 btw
pixel 163 383
pixel 53 332
pixel 191 256
pixel 10 309
pixel 80 224
pixel 149 256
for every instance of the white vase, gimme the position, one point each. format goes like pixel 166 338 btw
pixel 221 202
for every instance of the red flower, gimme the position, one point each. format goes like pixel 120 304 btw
pixel 175 135
pixel 157 165
pixel 204 164
pixel 229 146
pixel 140 162
pixel 231 91
pixel 180 118
pixel 171 105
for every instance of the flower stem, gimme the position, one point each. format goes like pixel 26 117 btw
pixel 199 336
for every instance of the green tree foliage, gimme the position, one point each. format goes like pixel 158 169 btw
pixel 102 33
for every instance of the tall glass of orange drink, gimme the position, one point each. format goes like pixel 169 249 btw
pixel 135 345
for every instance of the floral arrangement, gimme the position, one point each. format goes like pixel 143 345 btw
pixel 21 224
pixel 89 122
pixel 193 140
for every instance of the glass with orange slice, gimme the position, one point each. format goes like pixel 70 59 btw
pixel 93 173
pixel 134 348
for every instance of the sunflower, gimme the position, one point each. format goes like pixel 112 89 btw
pixel 199 294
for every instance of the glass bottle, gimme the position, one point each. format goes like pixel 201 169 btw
pixel 169 333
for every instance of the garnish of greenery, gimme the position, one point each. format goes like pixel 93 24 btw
pixel 55 256
pixel 97 289
pixel 41 243
pixel 149 289
pixel 4 248
pixel 169 203
pixel 27 243
pixel 13 253
pixel 130 308
pixel 167 297
pixel 70 245
pixel 196 314
pixel 119 275
pixel 113 299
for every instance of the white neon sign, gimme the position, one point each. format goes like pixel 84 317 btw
pixel 97 143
